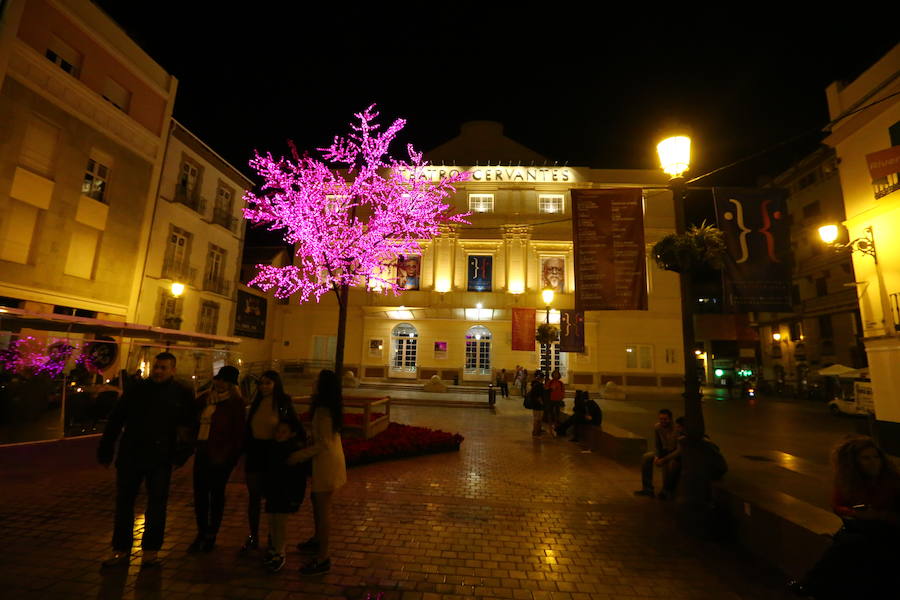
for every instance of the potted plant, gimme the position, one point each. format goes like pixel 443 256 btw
pixel 700 247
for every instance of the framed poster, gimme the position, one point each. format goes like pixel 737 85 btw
pixel 250 316
pixel 553 273
pixel 408 269
pixel 440 350
pixel 479 273
pixel 375 347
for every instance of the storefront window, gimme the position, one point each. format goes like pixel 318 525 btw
pixel 404 339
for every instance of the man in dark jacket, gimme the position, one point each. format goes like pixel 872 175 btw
pixel 157 416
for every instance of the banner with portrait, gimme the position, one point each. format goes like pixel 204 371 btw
pixel 408 270
pixel 523 326
pixel 571 331
pixel 479 273
pixel 757 235
pixel 553 273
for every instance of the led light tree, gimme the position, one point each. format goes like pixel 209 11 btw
pixel 348 216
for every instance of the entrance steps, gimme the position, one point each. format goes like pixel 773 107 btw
pixel 417 387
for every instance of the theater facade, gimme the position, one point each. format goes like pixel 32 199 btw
pixel 454 318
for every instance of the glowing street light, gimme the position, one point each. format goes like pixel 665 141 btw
pixel 828 233
pixel 675 155
pixel 776 336
pixel 177 289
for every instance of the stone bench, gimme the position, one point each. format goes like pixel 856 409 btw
pixel 614 442
pixel 781 530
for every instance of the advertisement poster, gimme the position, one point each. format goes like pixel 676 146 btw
pixel 571 331
pixel 375 347
pixel 553 273
pixel 250 316
pixel 610 260
pixel 440 350
pixel 408 269
pixel 523 327
pixel 758 261
pixel 480 273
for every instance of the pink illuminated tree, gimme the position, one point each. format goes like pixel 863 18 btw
pixel 348 215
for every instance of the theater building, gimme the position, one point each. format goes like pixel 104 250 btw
pixel 454 318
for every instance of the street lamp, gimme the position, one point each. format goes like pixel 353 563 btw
pixel 675 155
pixel 776 336
pixel 547 296
pixel 177 289
pixel 865 245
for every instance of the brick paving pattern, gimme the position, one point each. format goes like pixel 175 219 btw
pixel 507 517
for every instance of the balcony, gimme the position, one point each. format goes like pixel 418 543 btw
pixel 189 198
pixel 217 285
pixel 223 217
pixel 841 301
pixel 179 271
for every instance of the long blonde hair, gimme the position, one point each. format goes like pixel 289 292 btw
pixel 848 477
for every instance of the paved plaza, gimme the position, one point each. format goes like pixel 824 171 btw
pixel 507 517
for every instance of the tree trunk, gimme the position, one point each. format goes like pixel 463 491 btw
pixel 342 295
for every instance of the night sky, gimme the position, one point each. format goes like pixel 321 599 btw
pixel 589 88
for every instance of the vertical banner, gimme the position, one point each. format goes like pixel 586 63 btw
pixel 571 331
pixel 523 327
pixel 408 268
pixel 610 259
pixel 758 262
pixel 480 273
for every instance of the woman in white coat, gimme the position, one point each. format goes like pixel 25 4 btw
pixel 329 471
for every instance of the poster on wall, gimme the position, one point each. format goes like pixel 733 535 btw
pixel 610 260
pixel 571 331
pixel 480 273
pixel 553 273
pixel 375 347
pixel 440 350
pixel 408 269
pixel 250 316
pixel 757 235
pixel 523 326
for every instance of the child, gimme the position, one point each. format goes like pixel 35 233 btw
pixel 284 486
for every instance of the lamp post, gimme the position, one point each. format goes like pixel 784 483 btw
pixel 675 158
pixel 547 296
pixel 865 245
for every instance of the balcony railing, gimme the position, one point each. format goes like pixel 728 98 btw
pixel 217 285
pixel 179 270
pixel 189 198
pixel 834 302
pixel 223 217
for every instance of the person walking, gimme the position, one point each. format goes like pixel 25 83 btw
pixel 157 416
pixel 534 401
pixel 329 471
pixel 220 439
pixel 270 406
pixel 284 486
pixel 503 381
pixel 523 383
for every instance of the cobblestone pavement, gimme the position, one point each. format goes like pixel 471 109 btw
pixel 506 517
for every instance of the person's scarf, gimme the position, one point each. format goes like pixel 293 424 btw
pixel 213 399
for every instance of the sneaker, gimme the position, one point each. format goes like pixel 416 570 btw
pixel 250 544
pixel 310 545
pixel 197 545
pixel 648 493
pixel 316 567
pixel 275 563
pixel 150 559
pixel 117 559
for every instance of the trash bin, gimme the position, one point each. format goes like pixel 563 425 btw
pixel 492 394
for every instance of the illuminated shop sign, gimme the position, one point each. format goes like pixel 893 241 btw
pixel 504 174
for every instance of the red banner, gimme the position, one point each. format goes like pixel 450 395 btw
pixel 610 260
pixel 523 328
pixel 884 162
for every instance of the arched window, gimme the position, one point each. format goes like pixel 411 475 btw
pixel 404 338
pixel 478 350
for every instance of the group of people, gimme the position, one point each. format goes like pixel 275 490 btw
pixel 546 400
pixel 158 424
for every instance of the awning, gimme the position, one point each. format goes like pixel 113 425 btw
pixel 840 371
pixel 13 319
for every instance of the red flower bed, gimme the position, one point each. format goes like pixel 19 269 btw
pixel 398 441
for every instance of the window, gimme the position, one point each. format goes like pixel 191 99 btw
pixel 116 95
pixel 187 189
pixel 813 209
pixel 64 56
pixel 807 180
pixel 639 357
pixel 482 203
pixel 478 351
pixel 222 210
pixel 821 287
pixel 178 252
pixel 74 312
pixel 82 250
pixel 550 203
pixel 17 230
pixel 39 147
pixel 209 318
pixel 96 176
pixel 826 330
pixel 169 310
pixel 557 359
pixel 796 331
pixel 404 347
pixel 215 270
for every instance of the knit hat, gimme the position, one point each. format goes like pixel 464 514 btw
pixel 229 374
